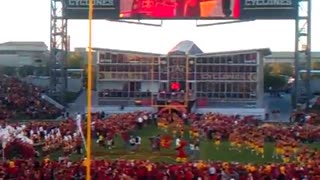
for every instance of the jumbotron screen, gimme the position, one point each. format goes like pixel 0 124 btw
pixel 175 9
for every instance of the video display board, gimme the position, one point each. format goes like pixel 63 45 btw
pixel 179 9
pixel 182 9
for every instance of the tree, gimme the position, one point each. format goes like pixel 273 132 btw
pixel 282 69
pixel 276 81
pixel 315 64
pixel 75 60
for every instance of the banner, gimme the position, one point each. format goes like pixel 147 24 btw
pixel 269 9
pixel 227 76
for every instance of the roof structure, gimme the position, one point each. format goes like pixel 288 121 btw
pixel 186 48
pixel 264 51
pixel 24 46
pixel 183 48
pixel 119 51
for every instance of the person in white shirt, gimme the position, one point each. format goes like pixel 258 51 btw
pixel 78 119
pixel 178 140
pixel 140 122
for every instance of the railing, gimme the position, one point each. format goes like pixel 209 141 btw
pixel 181 96
pixel 124 94
pixel 125 101
pixel 227 95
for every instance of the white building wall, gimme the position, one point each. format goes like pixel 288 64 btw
pixel 14 60
pixel 17 54
pixel 151 86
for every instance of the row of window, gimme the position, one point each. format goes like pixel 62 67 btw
pixel 221 87
pixel 248 58
pixel 197 68
pixel 228 95
pixel 217 77
pixel 233 95
pixel 126 58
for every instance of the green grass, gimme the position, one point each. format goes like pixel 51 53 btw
pixel 208 151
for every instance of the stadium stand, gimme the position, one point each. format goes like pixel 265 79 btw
pixel 24 101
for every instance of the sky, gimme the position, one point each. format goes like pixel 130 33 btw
pixel 29 20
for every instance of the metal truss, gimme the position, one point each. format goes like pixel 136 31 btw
pixel 58 50
pixel 138 22
pixel 303 52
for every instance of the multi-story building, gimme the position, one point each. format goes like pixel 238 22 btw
pixel 224 82
pixel 17 54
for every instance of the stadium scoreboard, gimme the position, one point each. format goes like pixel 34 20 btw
pixel 183 9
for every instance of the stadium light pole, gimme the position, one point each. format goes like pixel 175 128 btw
pixel 302 51
pixel 89 93
pixel 308 55
pixel 152 81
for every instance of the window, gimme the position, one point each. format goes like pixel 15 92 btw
pixel 131 68
pixel 102 56
pixel 125 68
pixel 223 60
pixel 241 59
pixel 235 59
pixel 230 60
pixel 113 68
pixel 235 87
pixel 107 68
pixel 101 68
pixel 114 58
pixel 121 58
pixel 155 68
pixel 216 60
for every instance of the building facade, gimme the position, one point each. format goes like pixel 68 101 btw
pixel 185 74
pixel 288 57
pixel 18 54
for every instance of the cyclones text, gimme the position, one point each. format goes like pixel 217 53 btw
pixel 268 3
pixel 85 3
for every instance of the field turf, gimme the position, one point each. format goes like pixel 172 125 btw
pixel 208 151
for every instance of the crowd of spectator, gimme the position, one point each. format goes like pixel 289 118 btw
pixel 144 169
pixel 19 99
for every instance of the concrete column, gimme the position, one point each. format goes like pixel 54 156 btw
pixel 260 80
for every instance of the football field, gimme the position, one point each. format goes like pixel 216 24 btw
pixel 208 151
